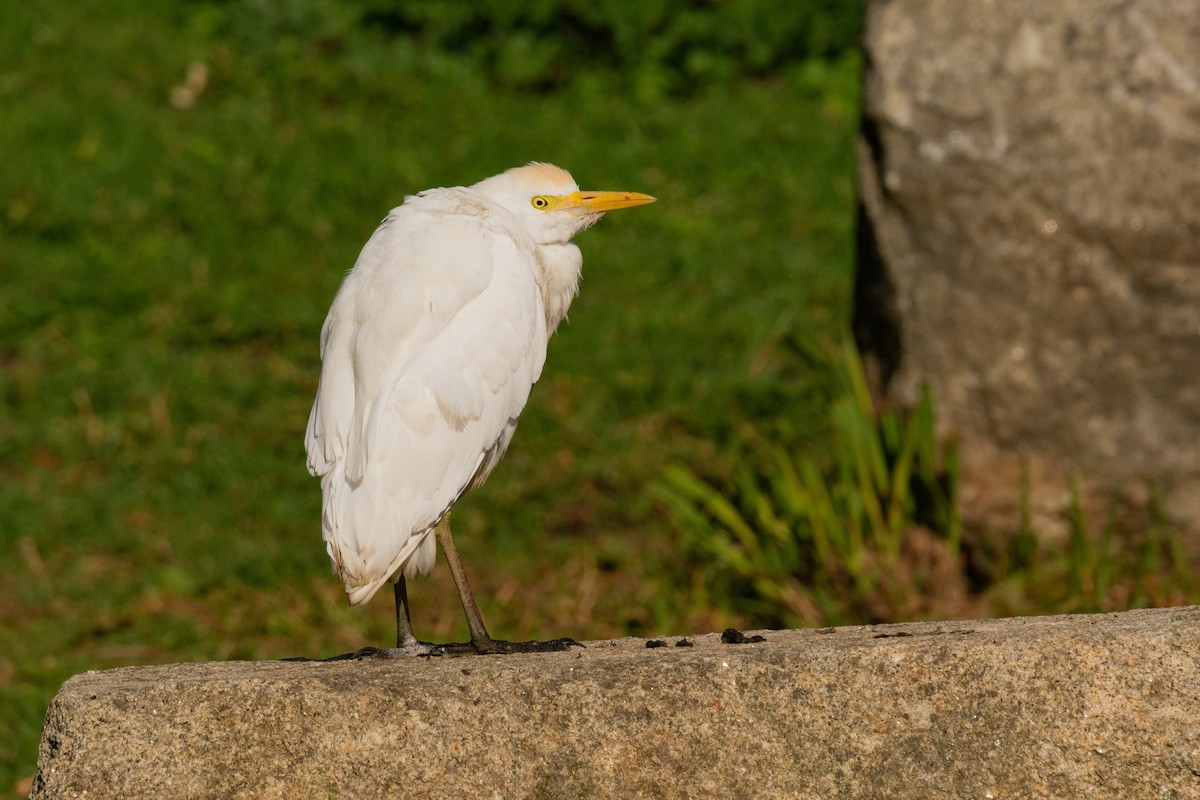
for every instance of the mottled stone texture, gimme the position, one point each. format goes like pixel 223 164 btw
pixel 1104 706
pixel 1030 177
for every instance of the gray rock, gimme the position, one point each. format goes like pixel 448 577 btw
pixel 1059 707
pixel 1031 182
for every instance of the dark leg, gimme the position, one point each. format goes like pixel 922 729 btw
pixel 404 632
pixel 481 641
pixel 406 643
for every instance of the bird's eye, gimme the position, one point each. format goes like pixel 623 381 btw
pixel 540 203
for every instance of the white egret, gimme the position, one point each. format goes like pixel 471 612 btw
pixel 428 356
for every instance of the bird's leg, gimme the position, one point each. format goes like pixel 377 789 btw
pixel 479 632
pixel 481 641
pixel 406 643
pixel 404 631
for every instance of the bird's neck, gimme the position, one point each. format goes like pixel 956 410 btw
pixel 559 268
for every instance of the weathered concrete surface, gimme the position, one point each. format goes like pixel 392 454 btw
pixel 1104 706
pixel 1031 242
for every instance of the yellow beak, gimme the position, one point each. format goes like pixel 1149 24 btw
pixel 594 202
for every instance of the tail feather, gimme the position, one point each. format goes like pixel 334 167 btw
pixel 361 526
pixel 414 553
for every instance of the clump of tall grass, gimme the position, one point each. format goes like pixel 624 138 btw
pixel 871 531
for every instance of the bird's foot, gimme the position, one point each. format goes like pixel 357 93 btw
pixel 360 654
pixel 407 650
pixel 499 646
pixel 418 648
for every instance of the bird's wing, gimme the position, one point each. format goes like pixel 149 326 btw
pixel 430 351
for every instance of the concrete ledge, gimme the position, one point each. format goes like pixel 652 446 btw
pixel 1052 707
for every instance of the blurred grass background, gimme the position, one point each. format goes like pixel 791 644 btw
pixel 184 185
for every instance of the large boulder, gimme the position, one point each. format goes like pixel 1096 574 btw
pixel 1030 175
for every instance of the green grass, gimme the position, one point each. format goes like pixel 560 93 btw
pixel 166 272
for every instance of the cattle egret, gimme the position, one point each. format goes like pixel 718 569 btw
pixel 428 355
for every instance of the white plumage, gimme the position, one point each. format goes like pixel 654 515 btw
pixel 428 356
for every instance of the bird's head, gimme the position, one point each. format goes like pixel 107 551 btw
pixel 549 203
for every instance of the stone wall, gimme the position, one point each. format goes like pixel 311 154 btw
pixel 1058 707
